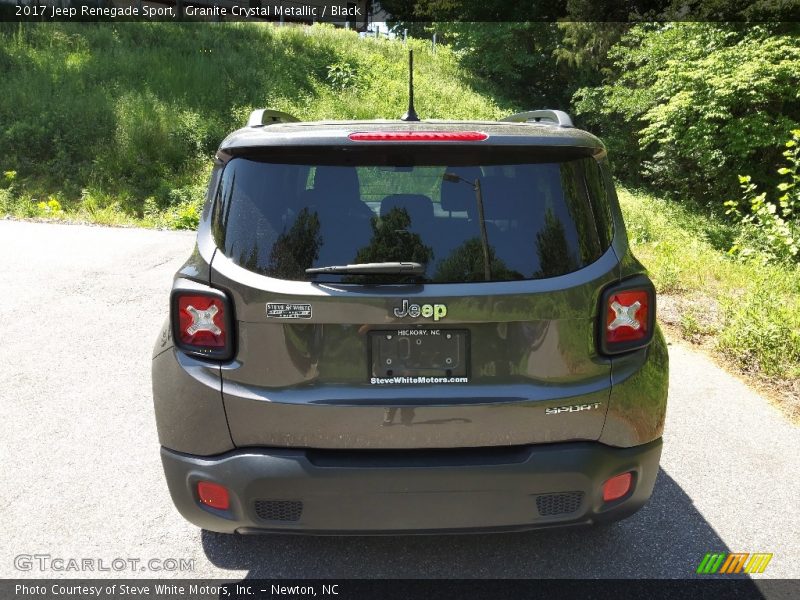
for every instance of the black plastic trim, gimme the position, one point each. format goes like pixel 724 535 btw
pixel 376 495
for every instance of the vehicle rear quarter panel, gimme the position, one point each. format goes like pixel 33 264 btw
pixel 638 403
pixel 640 380
pixel 187 395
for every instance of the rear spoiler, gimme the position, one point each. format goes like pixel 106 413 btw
pixel 268 116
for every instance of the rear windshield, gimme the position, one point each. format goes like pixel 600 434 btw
pixel 531 220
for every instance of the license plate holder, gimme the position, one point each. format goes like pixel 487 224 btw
pixel 419 352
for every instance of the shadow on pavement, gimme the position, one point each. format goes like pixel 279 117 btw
pixel 666 539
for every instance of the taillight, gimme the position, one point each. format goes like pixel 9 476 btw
pixel 201 323
pixel 627 316
pixel 418 136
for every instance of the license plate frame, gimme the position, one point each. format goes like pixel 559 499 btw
pixel 414 352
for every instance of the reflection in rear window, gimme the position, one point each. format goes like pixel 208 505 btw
pixel 541 219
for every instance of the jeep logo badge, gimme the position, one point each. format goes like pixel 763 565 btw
pixel 427 311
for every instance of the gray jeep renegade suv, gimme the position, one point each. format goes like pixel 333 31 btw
pixel 410 327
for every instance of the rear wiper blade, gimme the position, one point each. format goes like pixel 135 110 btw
pixel 381 268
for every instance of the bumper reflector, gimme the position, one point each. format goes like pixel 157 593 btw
pixel 617 487
pixel 213 495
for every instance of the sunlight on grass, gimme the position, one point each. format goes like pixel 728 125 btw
pixel 758 320
pixel 142 107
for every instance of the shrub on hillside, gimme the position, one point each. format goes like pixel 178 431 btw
pixel 690 105
pixel 771 226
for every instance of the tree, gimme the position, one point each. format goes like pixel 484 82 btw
pixel 689 106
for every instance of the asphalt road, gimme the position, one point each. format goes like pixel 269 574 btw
pixel 80 475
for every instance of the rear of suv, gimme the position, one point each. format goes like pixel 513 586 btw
pixel 393 327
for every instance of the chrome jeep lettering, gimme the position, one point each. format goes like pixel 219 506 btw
pixel 427 311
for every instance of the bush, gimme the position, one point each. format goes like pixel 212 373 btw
pixel 50 209
pixel 342 75
pixel 690 105
pixel 762 328
pixel 771 228
pixel 7 191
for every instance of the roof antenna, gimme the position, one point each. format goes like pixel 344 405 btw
pixel 411 114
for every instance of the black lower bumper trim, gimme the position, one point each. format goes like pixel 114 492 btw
pixel 283 490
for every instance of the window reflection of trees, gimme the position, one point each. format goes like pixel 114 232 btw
pixel 249 260
pixel 553 249
pixel 296 250
pixel 465 264
pixel 576 197
pixel 392 241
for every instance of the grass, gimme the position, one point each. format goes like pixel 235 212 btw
pixel 746 312
pixel 117 121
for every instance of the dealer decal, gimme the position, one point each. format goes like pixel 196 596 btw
pixel 419 380
pixel 288 310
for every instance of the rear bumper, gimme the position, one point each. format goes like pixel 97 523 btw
pixel 418 491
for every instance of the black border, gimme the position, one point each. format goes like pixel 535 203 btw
pixel 703 587
pixel 430 11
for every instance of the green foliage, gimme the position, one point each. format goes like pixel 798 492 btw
pixel 8 179
pixel 771 229
pixel 584 48
pixel 751 310
pixel 111 114
pixel 688 105
pixel 181 210
pixel 342 75
pixel 762 327
pixel 7 192
pixel 515 61
pixel 51 208
pixel 6 202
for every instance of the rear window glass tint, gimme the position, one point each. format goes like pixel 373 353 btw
pixel 541 219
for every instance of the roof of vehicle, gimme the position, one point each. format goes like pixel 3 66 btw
pixel 327 133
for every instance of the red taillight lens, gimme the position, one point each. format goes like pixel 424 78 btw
pixel 418 136
pixel 202 321
pixel 617 487
pixel 213 495
pixel 627 316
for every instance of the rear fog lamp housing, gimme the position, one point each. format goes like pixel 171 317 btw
pixel 617 487
pixel 213 495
